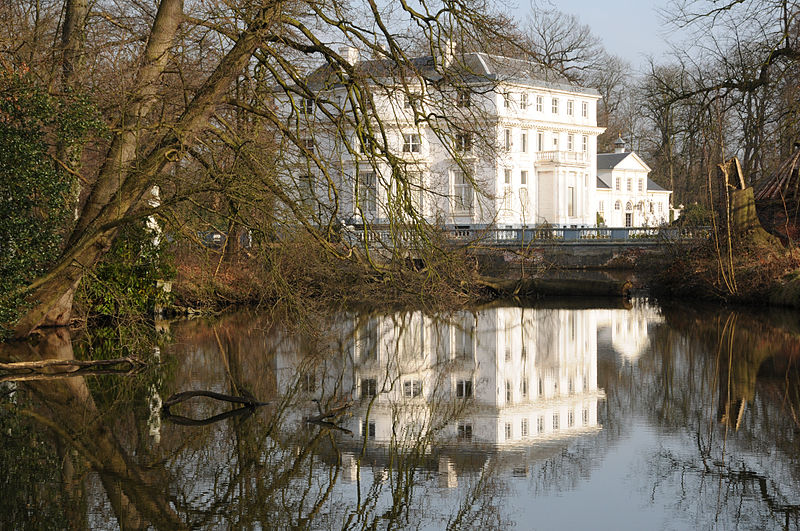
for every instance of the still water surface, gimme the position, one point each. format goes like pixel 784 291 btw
pixel 549 417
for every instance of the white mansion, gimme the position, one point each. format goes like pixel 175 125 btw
pixel 472 139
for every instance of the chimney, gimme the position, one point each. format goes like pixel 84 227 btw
pixel 619 145
pixel 350 54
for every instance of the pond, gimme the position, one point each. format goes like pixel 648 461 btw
pixel 605 415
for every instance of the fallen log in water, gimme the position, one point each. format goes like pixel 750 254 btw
pixel 534 288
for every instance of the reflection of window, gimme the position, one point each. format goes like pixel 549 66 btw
pixel 307 144
pixel 412 388
pixel 585 417
pixel 463 98
pixel 523 428
pixel 462 192
pixel 368 430
pixel 570 418
pixel 464 336
pixel 367 192
pixel 369 387
pixel 555 421
pixel 307 105
pixel 309 383
pixel 464 389
pixel 509 431
pixel 411 100
pixel 465 431
pixel 523 386
pixel 509 394
pixel 411 143
pixel 540 391
pixel 369 340
pixel 540 424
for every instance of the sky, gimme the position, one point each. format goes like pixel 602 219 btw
pixel 630 29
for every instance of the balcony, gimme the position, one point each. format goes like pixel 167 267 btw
pixel 562 157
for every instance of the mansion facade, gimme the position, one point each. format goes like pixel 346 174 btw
pixel 476 139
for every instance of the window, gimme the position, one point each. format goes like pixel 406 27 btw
pixel 523 427
pixel 305 188
pixel 539 103
pixel 308 382
pixel 369 387
pixel 555 421
pixel 412 388
pixel 368 430
pixel 584 109
pixel 629 186
pixel 507 100
pixel 585 417
pixel 507 142
pixel 570 107
pixel 464 142
pixel 601 206
pixel 464 389
pixel 463 98
pixel 307 105
pixel 628 206
pixel 618 184
pixel 524 142
pixel 509 392
pixel 509 431
pixel 571 200
pixel 368 339
pixel 660 208
pixel 307 144
pixel 367 192
pixel 555 141
pixel 462 192
pixel 523 101
pixel 507 176
pixel 523 177
pixel 539 141
pixel 585 144
pixel 411 143
pixel 465 431
pixel 367 144
pixel 570 142
pixel 554 106
pixel 523 387
pixel 540 424
pixel 641 185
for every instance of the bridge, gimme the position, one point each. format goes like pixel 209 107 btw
pixel 562 246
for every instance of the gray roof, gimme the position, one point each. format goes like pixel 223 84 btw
pixel 601 184
pixel 472 67
pixel 609 161
pixel 653 186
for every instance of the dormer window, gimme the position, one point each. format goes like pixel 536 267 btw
pixel 463 98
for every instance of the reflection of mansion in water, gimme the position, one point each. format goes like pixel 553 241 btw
pixel 501 377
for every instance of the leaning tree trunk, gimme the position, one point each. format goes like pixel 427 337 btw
pixel 125 178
